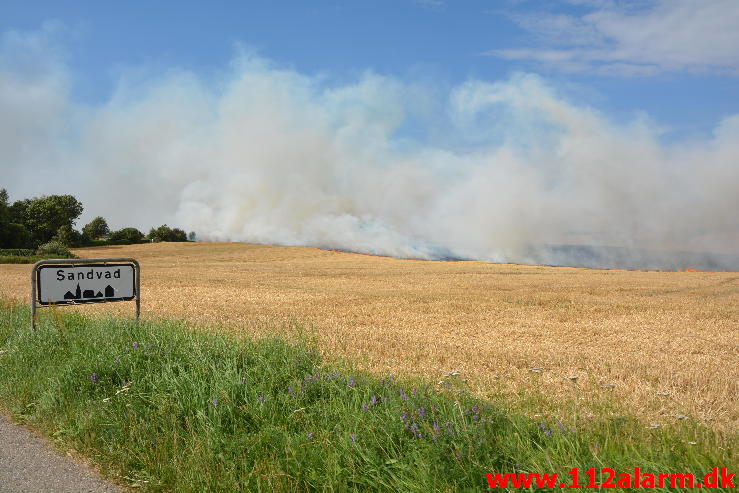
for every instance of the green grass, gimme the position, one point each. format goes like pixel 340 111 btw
pixel 169 408
pixel 24 259
pixel 21 252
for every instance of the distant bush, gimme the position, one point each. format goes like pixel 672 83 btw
pixel 165 233
pixel 96 229
pixel 55 248
pixel 126 236
pixel 17 252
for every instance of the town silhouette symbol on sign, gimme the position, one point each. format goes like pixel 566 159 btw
pixel 89 293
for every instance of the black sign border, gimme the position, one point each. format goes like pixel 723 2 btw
pixel 85 301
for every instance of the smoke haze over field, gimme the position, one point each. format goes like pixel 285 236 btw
pixel 490 170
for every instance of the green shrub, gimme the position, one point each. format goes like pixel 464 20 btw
pixel 125 236
pixel 17 252
pixel 165 233
pixel 56 248
pixel 68 236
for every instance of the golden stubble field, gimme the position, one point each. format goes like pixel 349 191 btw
pixel 661 345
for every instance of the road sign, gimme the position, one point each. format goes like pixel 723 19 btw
pixel 75 281
pixel 86 283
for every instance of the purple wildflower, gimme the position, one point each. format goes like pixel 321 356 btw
pixel 373 400
pixel 422 412
pixel 403 395
pixel 404 417
pixel 135 345
pixel 436 430
pixel 413 391
pixel 290 389
pixel 545 429
pixel 310 435
pixel 117 362
pixel 94 377
pixel 354 437
pixel 415 431
pixel 364 406
pixel 352 383
pixel 260 398
pixel 561 426
pixel 214 402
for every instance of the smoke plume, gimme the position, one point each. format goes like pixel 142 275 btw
pixel 502 171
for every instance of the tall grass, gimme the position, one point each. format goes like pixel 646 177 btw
pixel 26 259
pixel 168 408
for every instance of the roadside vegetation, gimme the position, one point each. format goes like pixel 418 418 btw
pixel 167 408
pixel 38 228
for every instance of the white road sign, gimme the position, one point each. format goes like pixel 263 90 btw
pixel 85 283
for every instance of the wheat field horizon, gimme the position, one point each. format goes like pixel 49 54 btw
pixel 660 345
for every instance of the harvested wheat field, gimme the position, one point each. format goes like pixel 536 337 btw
pixel 661 345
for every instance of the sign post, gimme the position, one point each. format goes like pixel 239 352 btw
pixel 91 280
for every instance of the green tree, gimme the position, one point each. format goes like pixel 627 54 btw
pixel 69 236
pixel 4 207
pixel 12 234
pixel 18 210
pixel 96 229
pixel 126 236
pixel 15 236
pixel 4 219
pixel 165 233
pixel 45 215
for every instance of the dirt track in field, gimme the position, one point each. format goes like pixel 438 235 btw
pixel 659 344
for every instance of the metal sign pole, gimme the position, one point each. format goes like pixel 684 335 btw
pixel 37 292
pixel 33 298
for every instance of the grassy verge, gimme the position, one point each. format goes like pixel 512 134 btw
pixel 24 259
pixel 171 409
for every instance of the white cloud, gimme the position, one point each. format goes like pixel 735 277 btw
pixel 635 38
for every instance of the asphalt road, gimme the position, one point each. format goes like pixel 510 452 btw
pixel 28 464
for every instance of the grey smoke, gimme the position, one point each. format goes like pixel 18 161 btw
pixel 502 171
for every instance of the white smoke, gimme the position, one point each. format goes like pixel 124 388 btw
pixel 493 171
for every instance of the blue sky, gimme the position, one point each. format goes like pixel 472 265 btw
pixel 422 128
pixel 448 41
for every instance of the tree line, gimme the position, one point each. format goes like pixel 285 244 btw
pixel 31 223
